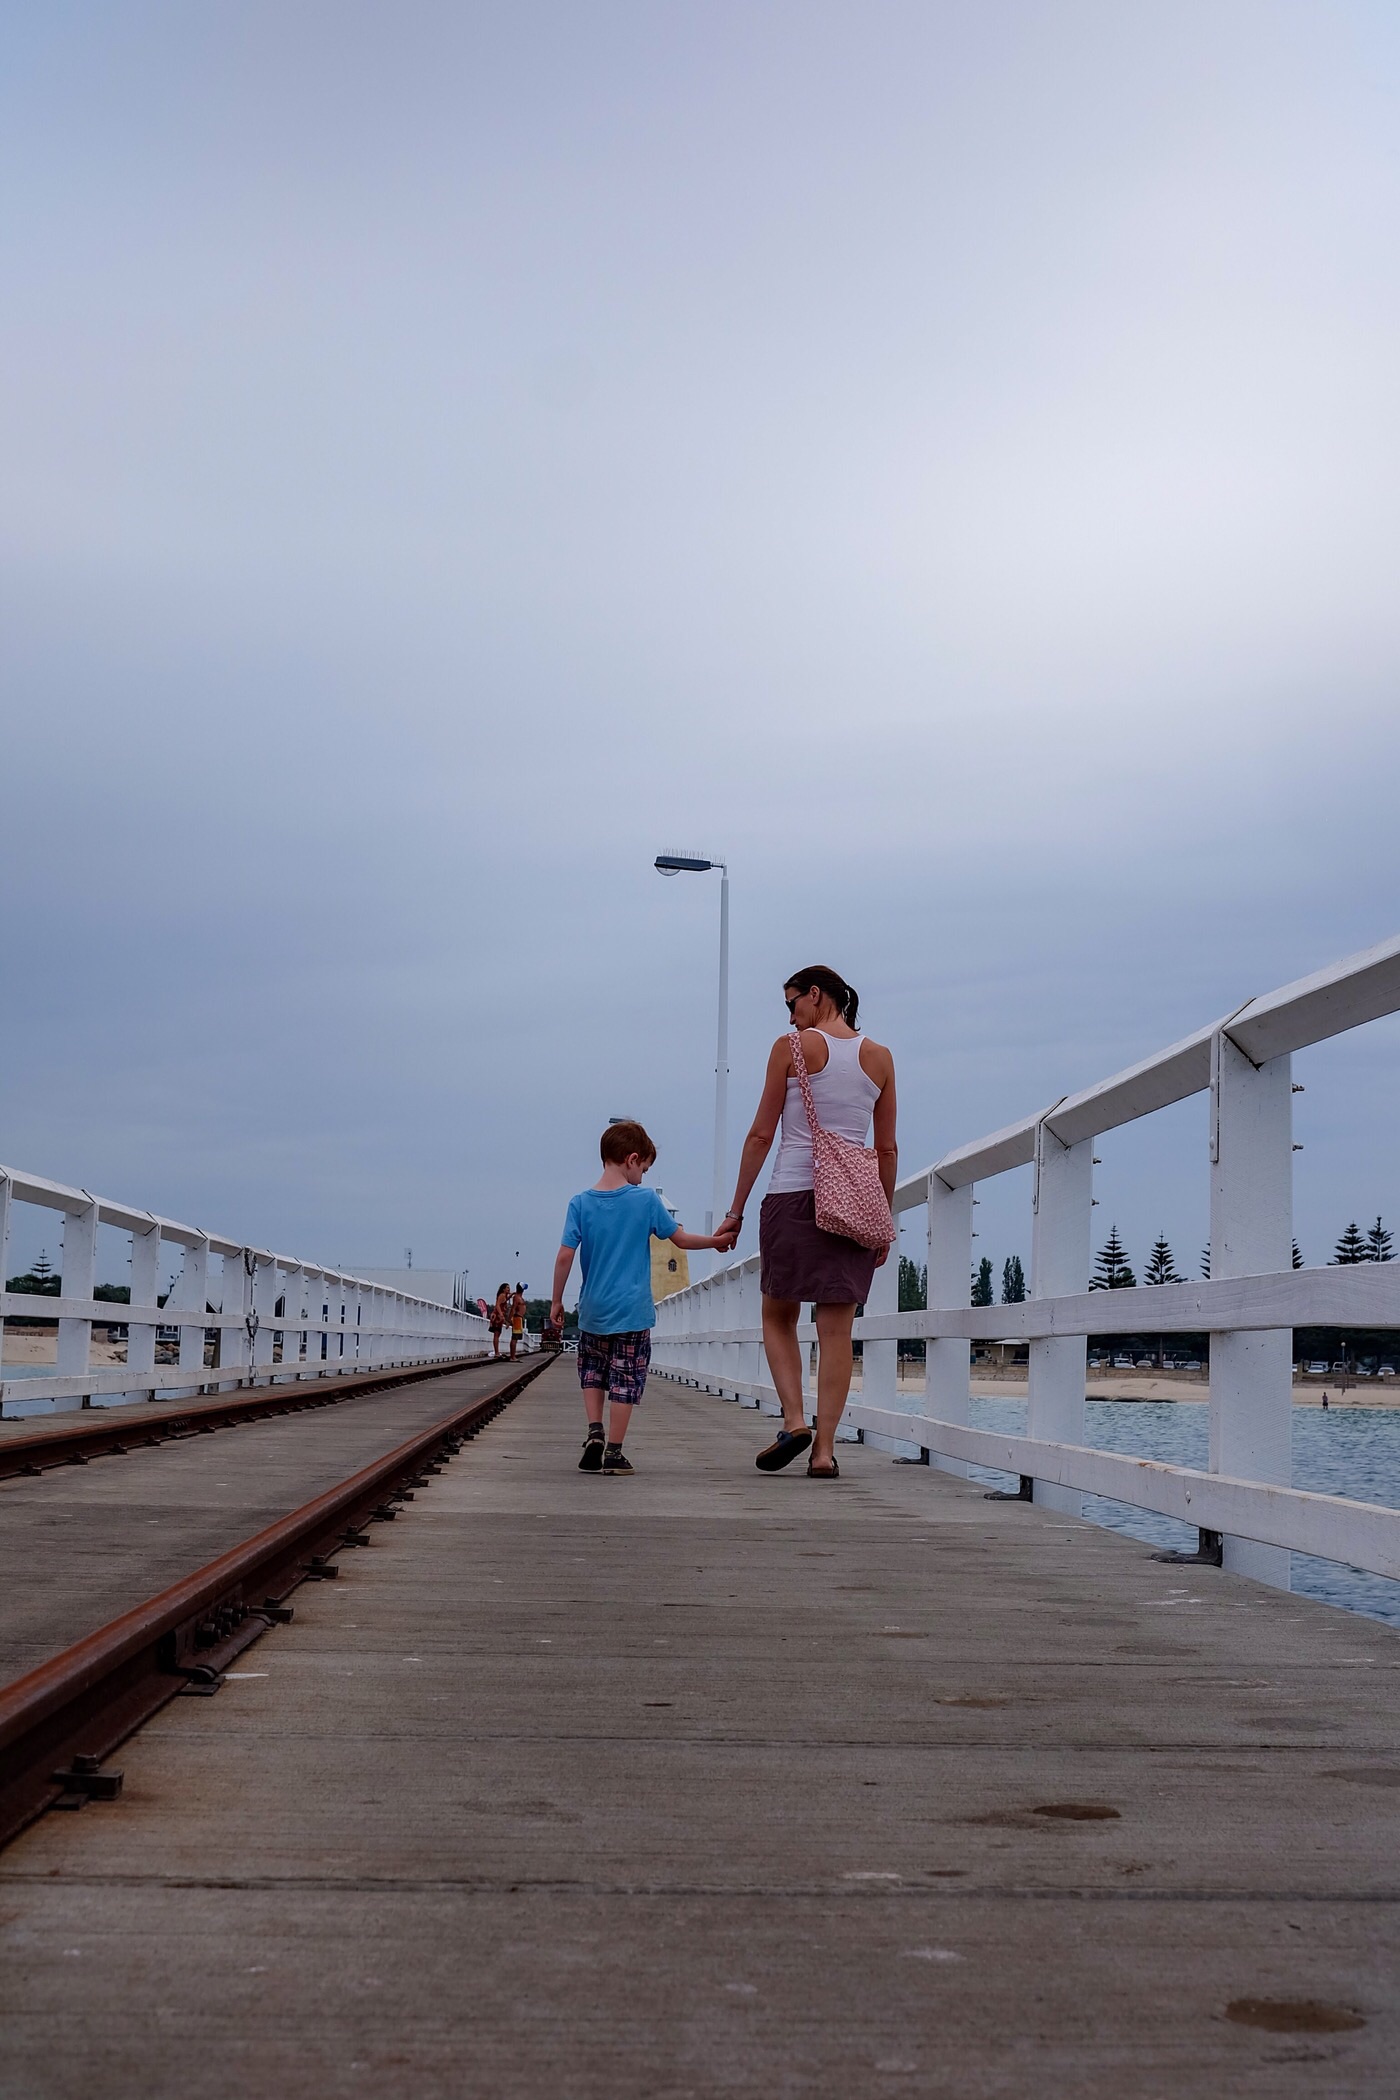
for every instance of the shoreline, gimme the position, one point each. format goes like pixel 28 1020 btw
pixel 1130 1391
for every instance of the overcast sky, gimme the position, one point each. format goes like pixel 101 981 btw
pixel 941 457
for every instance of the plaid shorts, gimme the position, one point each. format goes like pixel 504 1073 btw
pixel 618 1363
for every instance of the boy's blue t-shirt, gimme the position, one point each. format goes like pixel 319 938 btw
pixel 613 1229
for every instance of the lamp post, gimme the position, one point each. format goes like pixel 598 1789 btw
pixel 695 864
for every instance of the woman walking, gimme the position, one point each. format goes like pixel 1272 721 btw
pixel 849 1081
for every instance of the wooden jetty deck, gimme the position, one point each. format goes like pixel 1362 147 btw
pixel 710 1783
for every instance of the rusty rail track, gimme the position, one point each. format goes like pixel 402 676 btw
pixel 73 1443
pixel 60 1722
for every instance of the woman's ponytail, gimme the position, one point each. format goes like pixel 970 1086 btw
pixel 843 996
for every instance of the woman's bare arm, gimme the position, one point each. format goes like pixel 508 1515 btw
pixel 884 1132
pixel 887 1151
pixel 763 1129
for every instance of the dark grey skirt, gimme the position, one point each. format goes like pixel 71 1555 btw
pixel 799 1260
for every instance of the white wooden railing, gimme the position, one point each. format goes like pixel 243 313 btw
pixel 278 1319
pixel 710 1336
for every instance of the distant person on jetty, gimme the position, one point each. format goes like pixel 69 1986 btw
pixel 517 1318
pixel 498 1316
pixel 850 1079
pixel 612 1225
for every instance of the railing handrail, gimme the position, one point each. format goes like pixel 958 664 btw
pixel 1362 987
pixel 54 1195
pixel 378 1324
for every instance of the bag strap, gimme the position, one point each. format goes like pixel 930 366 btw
pixel 799 1063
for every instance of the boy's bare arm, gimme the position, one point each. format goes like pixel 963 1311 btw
pixel 563 1262
pixel 698 1242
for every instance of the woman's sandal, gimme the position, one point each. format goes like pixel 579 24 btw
pixel 833 1472
pixel 787 1445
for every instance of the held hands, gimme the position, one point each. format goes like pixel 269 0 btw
pixel 730 1226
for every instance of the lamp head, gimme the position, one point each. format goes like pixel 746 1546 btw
pixel 682 863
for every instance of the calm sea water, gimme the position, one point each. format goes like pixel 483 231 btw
pixel 1347 1451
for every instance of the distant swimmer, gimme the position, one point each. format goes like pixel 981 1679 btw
pixel 498 1317
pixel 1324 1403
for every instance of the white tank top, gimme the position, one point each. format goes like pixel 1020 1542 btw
pixel 845 1097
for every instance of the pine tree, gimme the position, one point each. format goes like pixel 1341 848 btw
pixel 1161 1268
pixel 913 1285
pixel 1378 1241
pixel 1297 1256
pixel 1013 1280
pixel 1114 1271
pixel 1351 1247
pixel 38 1282
pixel 982 1282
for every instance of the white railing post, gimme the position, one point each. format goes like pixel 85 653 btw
pixel 265 1294
pixel 190 1293
pixel 690 1353
pixel 79 1274
pixel 727 1292
pixel 948 1359
pixel 236 1299
pixel 706 1324
pixel 293 1293
pixel 352 1329
pixel 750 1315
pixel 1060 1234
pixel 329 1294
pixel 1251 1234
pixel 142 1312
pixel 879 1361
pixel 5 1186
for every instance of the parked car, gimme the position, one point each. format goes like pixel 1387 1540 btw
pixel 1386 1371
pixel 1122 1363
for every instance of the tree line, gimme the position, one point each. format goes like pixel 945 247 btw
pixel 1114 1271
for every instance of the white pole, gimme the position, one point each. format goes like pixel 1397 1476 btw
pixel 721 1201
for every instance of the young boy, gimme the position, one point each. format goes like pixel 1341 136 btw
pixel 612 1223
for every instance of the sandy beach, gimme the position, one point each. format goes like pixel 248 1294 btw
pixel 1183 1386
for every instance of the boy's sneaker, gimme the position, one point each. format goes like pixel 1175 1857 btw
pixel 615 1460
pixel 592 1460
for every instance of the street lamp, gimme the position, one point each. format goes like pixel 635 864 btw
pixel 697 864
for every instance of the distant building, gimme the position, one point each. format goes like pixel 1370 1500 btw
pixel 670 1265
pixel 670 1268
